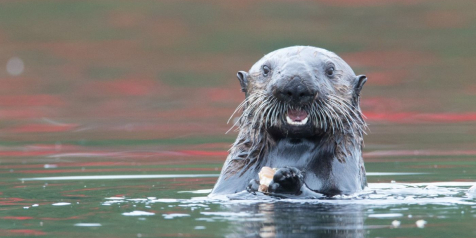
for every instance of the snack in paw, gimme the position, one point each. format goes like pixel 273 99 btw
pixel 265 177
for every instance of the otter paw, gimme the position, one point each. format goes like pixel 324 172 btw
pixel 287 180
pixel 253 186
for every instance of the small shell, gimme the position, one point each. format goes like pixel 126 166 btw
pixel 263 188
pixel 265 177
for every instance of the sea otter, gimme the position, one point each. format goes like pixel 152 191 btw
pixel 300 115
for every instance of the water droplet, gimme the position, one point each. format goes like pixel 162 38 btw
pixel 396 223
pixel 50 166
pixel 15 66
pixel 420 223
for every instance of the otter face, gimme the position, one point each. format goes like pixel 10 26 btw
pixel 302 91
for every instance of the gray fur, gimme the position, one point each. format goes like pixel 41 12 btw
pixel 328 150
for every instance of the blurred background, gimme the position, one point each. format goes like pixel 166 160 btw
pixel 163 72
pixel 146 87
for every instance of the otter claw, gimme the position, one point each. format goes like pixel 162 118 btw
pixel 287 180
pixel 253 186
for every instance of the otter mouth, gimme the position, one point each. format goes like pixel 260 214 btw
pixel 296 117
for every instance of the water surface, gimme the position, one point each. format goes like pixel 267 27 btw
pixel 113 116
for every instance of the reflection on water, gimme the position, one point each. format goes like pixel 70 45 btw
pixel 283 219
pixel 99 191
pixel 150 176
pixel 100 177
pixel 341 216
pixel 159 205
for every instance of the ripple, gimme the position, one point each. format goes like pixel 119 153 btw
pixel 88 224
pixel 103 177
pixel 174 215
pixel 138 213
pixel 387 215
pixel 61 204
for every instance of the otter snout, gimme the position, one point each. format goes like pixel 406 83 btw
pixel 295 92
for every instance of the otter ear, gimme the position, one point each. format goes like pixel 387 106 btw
pixel 361 79
pixel 243 77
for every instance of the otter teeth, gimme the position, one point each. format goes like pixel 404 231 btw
pixel 296 123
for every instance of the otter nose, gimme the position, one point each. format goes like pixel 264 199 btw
pixel 295 92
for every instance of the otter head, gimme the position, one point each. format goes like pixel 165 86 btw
pixel 300 92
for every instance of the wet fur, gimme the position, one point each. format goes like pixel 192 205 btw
pixel 328 151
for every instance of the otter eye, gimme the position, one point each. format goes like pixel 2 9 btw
pixel 266 70
pixel 330 71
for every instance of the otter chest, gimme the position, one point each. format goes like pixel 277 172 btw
pixel 302 154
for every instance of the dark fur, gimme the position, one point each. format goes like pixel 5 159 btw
pixel 326 152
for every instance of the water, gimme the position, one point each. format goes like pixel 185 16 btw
pixel 113 117
pixel 154 193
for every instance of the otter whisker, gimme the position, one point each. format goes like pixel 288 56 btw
pixel 335 117
pixel 242 104
pixel 259 112
pixel 274 115
pixel 251 108
pixel 253 101
pixel 346 114
pixel 321 117
pixel 312 110
pixel 236 110
pixel 338 106
pixel 331 122
pixel 351 107
pixel 330 117
pixel 262 112
pixel 282 107
pixel 360 123
pixel 324 119
pixel 267 112
pixel 355 111
pixel 317 113
pixel 313 117
pixel 268 115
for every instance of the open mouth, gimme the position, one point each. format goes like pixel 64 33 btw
pixel 296 117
